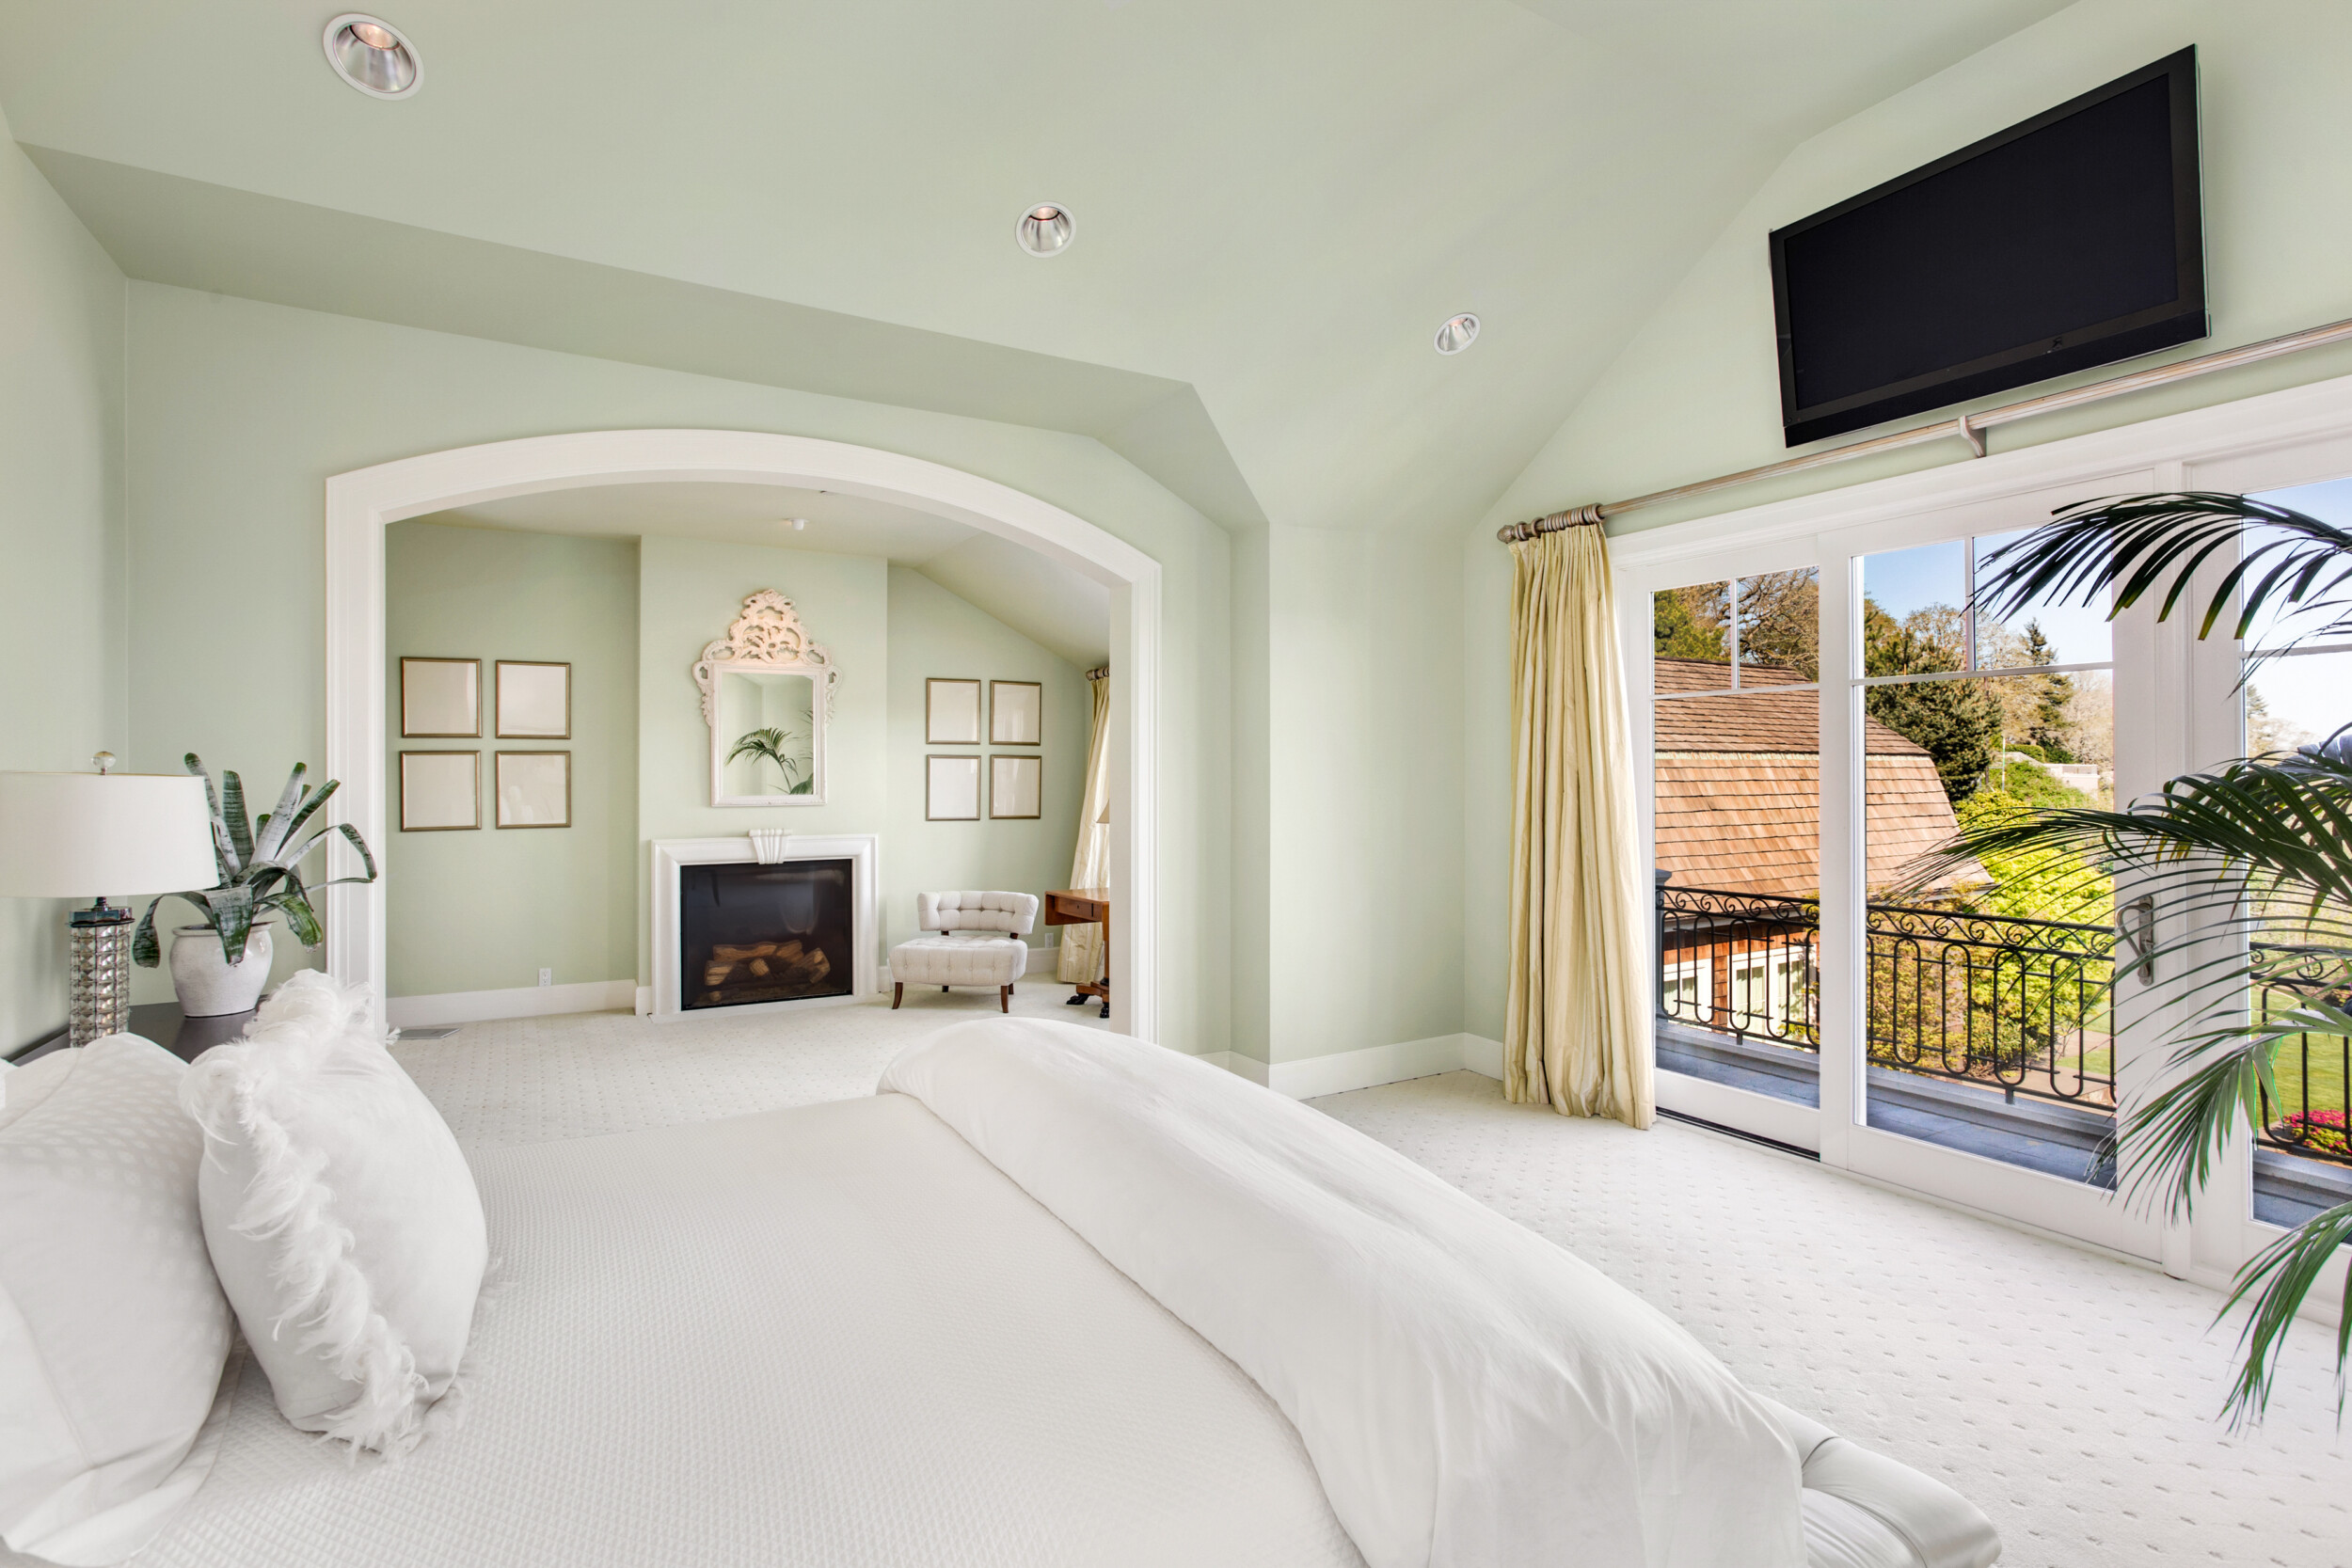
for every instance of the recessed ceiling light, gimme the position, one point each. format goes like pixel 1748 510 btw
pixel 1457 333
pixel 1045 229
pixel 372 56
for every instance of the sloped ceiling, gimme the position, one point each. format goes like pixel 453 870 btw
pixel 1277 200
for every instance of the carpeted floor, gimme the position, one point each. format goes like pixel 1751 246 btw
pixel 2071 1396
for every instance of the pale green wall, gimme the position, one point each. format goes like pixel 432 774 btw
pixel 243 410
pixel 1364 859
pixel 1696 393
pixel 933 632
pixel 61 540
pixel 486 910
pixel 690 592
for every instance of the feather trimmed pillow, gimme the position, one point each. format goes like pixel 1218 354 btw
pixel 341 1218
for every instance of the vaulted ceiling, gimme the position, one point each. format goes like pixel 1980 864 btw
pixel 1277 200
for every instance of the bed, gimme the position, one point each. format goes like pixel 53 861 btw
pixel 877 1332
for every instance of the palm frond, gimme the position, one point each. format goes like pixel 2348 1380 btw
pixel 2131 546
pixel 2285 1271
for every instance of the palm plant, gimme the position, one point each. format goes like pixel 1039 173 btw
pixel 2249 864
pixel 781 747
pixel 258 865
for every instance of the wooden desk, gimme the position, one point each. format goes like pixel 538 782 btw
pixel 1085 906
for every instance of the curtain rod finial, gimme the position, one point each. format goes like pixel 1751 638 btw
pixel 1576 516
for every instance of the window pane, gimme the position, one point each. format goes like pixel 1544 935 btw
pixel 2303 1155
pixel 2044 630
pixel 1780 623
pixel 1986 982
pixel 1738 835
pixel 2278 624
pixel 1690 638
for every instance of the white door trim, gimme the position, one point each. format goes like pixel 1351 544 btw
pixel 359 505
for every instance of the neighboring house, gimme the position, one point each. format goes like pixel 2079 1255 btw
pixel 1739 813
pixel 1739 786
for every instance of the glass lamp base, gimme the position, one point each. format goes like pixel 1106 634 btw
pixel 100 1000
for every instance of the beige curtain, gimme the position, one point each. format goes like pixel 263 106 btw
pixel 1082 947
pixel 1577 1033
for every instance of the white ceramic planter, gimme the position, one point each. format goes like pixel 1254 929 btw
pixel 208 985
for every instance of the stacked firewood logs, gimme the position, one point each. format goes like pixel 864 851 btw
pixel 782 964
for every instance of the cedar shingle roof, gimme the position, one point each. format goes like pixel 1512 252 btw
pixel 1752 721
pixel 1739 792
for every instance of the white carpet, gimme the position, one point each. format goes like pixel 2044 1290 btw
pixel 2071 1396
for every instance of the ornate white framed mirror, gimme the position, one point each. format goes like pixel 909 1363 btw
pixel 767 692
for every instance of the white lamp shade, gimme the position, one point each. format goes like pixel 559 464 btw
pixel 90 835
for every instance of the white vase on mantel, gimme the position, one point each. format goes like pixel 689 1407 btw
pixel 208 985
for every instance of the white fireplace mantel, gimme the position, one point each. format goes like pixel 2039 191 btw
pixel 864 852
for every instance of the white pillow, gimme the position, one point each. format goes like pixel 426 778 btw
pixel 23 1088
pixel 113 1333
pixel 343 1219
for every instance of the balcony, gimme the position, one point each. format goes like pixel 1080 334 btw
pixel 1985 1033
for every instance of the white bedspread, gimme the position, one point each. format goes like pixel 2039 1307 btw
pixel 825 1337
pixel 1473 1396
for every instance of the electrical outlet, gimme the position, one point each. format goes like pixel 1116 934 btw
pixel 547 976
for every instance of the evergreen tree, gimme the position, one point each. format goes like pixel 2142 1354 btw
pixel 2049 728
pixel 1956 723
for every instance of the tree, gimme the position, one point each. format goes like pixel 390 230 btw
pixel 2252 861
pixel 1957 722
pixel 1689 623
pixel 2049 727
pixel 1780 621
pixel 2266 734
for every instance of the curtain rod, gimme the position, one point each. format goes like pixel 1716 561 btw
pixel 1967 427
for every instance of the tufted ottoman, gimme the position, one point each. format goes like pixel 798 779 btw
pixel 977 943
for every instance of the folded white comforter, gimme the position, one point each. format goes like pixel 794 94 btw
pixel 1471 1395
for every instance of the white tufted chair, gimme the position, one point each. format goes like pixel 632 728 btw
pixel 978 943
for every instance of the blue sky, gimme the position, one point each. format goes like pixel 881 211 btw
pixel 2315 691
pixel 1904 581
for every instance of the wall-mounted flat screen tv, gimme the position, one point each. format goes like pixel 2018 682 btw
pixel 2070 241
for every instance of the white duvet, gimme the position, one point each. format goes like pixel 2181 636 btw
pixel 1470 1395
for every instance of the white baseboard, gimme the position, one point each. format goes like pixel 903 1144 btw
pixel 1482 1056
pixel 1337 1074
pixel 1244 1066
pixel 478 1006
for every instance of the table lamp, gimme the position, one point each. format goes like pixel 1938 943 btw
pixel 83 835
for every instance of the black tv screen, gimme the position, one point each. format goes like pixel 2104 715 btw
pixel 2070 241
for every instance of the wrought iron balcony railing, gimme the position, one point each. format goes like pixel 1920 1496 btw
pixel 2013 1004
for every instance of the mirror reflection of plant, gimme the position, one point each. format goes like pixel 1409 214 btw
pixel 2251 864
pixel 258 863
pixel 786 749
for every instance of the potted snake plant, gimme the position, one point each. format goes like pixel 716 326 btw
pixel 220 963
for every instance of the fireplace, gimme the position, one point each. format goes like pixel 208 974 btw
pixel 730 930
pixel 763 933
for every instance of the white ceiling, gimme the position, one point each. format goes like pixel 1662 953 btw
pixel 1060 609
pixel 1277 200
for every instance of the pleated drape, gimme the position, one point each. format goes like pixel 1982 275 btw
pixel 1082 952
pixel 1578 1028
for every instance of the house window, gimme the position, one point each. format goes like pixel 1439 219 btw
pixel 1686 991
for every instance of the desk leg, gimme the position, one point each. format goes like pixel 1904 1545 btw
pixel 1106 960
